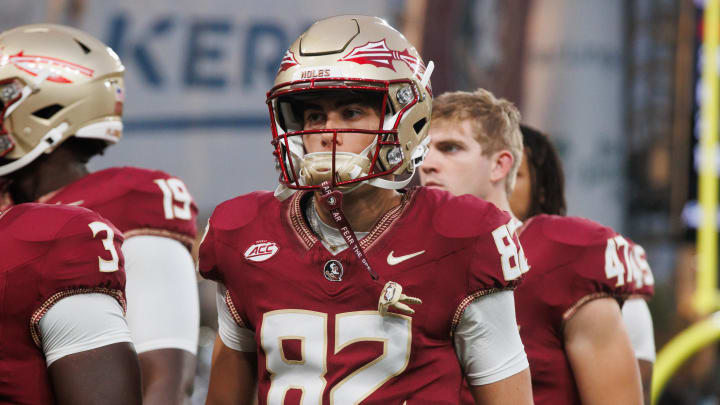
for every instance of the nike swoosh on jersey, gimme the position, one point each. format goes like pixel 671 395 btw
pixel 392 260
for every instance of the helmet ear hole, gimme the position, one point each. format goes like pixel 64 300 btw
pixel 47 112
pixel 419 125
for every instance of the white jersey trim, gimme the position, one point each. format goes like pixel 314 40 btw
pixel 82 322
pixel 163 310
pixel 487 340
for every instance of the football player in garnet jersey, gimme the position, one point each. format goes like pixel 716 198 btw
pixel 316 287
pixel 540 189
pixel 65 340
pixel 567 305
pixel 61 100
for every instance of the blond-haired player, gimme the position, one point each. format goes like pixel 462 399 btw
pixel 568 304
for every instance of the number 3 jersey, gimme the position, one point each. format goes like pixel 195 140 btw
pixel 573 261
pixel 137 201
pixel 47 253
pixel 314 315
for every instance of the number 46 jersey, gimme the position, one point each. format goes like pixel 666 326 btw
pixel 319 336
pixel 46 254
pixel 573 261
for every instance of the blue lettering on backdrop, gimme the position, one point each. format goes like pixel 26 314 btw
pixel 262 46
pixel 143 57
pixel 198 52
pixel 116 35
pixel 257 33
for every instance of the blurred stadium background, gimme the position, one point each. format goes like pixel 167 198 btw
pixel 613 82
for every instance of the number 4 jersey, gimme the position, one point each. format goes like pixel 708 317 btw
pixel 137 201
pixel 317 330
pixel 47 253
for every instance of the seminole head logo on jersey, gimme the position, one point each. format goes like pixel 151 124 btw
pixel 333 270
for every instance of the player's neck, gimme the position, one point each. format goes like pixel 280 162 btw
pixel 47 174
pixel 500 199
pixel 363 207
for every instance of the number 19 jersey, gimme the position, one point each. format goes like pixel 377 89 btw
pixel 318 334
pixel 137 201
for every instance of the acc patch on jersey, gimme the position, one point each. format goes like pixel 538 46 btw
pixel 261 251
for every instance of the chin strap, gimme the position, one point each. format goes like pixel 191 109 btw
pixel 428 72
pixel 50 140
pixel 29 89
pixel 282 192
pixel 390 184
pixel 391 295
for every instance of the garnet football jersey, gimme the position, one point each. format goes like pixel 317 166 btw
pixel 317 329
pixel 573 261
pixel 47 253
pixel 137 201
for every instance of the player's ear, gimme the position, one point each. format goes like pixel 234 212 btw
pixel 502 162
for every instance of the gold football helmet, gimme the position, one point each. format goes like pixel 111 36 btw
pixel 55 82
pixel 357 54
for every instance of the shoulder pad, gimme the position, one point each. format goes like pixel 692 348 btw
pixel 108 185
pixel 464 216
pixel 128 178
pixel 137 201
pixel 41 222
pixel 240 211
pixel 573 231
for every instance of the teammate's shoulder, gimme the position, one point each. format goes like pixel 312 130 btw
pixel 462 216
pixel 573 231
pixel 240 211
pixel 138 201
pixel 130 176
pixel 34 222
pixel 114 185
pixel 61 248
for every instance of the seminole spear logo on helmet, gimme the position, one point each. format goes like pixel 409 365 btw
pixel 378 54
pixel 34 64
pixel 288 61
